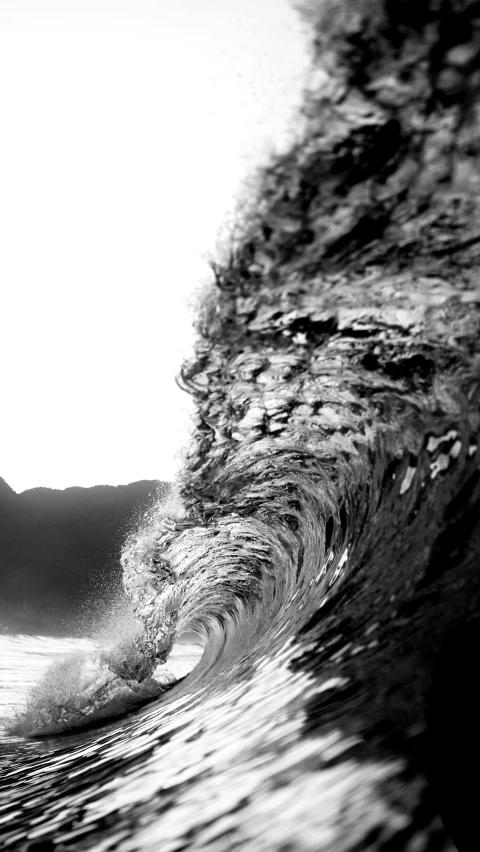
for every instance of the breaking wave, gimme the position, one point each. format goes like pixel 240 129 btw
pixel 256 596
pixel 326 529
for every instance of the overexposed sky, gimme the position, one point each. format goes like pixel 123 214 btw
pixel 128 127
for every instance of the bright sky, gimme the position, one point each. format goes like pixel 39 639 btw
pixel 127 128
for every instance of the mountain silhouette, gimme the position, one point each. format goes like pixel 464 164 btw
pixel 59 552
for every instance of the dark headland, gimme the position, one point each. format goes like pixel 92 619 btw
pixel 59 552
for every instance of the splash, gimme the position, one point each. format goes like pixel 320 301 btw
pixel 80 689
pixel 105 677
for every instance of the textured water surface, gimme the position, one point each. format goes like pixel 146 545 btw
pixel 325 536
pixel 227 757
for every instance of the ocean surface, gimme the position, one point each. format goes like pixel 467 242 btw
pixel 328 539
pixel 218 761
pixel 229 756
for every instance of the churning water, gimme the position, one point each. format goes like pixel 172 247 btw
pixel 281 605
pixel 225 757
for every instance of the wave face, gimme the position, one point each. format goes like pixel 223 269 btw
pixel 290 602
pixel 325 533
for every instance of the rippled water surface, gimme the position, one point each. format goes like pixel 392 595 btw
pixel 323 539
pixel 222 759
